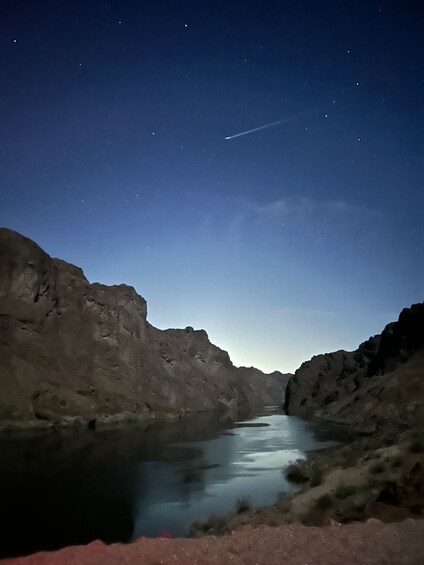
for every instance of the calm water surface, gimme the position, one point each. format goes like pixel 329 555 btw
pixel 65 488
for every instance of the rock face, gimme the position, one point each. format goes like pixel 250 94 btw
pixel 257 389
pixel 71 350
pixel 379 384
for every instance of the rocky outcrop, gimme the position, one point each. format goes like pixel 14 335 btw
pixel 256 389
pixel 378 385
pixel 74 351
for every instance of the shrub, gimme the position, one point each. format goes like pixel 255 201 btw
pixel 343 491
pixel 316 476
pixel 375 483
pixel 283 501
pixel 243 504
pixel 313 518
pixel 213 525
pixel 273 523
pixel 377 468
pixel 217 524
pixel 197 527
pixel 350 456
pixel 388 440
pixel 417 434
pixel 296 472
pixel 415 447
pixel 397 462
pixel 324 502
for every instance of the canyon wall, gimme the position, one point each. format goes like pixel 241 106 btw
pixel 73 351
pixel 378 385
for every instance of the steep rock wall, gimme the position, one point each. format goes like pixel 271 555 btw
pixel 378 385
pixel 256 389
pixel 71 350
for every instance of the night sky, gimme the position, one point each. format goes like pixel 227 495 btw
pixel 296 239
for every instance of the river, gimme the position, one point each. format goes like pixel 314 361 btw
pixel 71 487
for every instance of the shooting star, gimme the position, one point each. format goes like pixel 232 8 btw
pixel 271 124
pixel 259 128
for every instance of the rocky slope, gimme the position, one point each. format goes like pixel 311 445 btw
pixel 256 389
pixel 378 385
pixel 74 351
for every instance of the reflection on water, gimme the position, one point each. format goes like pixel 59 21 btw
pixel 67 488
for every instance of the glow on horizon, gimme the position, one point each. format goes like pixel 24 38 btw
pixel 282 245
pixel 281 349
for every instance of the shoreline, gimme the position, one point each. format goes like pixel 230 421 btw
pixel 374 477
pixel 339 484
pixel 104 421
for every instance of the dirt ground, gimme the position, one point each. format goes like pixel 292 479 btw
pixel 372 542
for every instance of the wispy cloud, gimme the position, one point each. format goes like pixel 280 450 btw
pixel 240 219
pixel 301 214
pixel 305 206
pixel 305 312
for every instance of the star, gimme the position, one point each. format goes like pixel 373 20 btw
pixel 15 40
pixel 358 84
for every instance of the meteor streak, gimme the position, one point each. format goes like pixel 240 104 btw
pixel 259 128
pixel 277 123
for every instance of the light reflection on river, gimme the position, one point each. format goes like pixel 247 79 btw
pixel 246 460
pixel 63 488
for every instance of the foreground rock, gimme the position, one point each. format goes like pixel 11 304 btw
pixel 71 351
pixel 373 542
pixel 380 384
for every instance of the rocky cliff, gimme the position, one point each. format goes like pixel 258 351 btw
pixel 75 351
pixel 376 386
pixel 256 389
